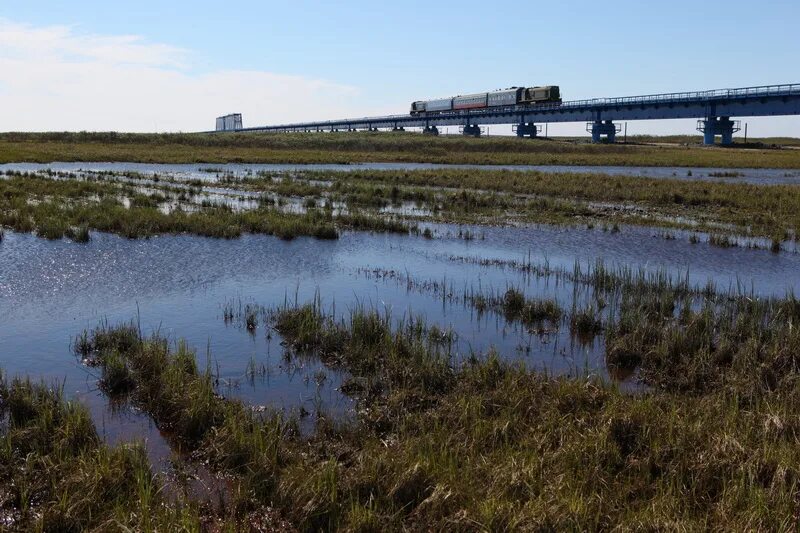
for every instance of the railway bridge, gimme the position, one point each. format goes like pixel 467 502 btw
pixel 715 110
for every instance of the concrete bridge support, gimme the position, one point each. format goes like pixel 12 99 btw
pixel 398 128
pixel 607 128
pixel 722 126
pixel 430 130
pixel 472 130
pixel 527 130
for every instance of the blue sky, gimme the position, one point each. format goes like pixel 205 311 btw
pixel 371 57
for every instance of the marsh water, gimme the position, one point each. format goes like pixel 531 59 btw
pixel 763 176
pixel 182 286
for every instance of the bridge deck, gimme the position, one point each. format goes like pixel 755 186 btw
pixel 750 101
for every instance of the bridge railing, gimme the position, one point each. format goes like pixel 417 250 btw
pixel 747 92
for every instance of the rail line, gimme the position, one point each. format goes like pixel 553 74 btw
pixel 713 109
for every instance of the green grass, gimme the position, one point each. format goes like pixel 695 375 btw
pixel 763 210
pixel 488 445
pixel 69 206
pixel 364 147
pixel 443 443
pixel 58 208
pixel 754 142
pixel 57 475
pixel 515 306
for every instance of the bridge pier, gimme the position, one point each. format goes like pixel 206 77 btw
pixel 396 128
pixel 607 128
pixel 527 130
pixel 430 130
pixel 722 126
pixel 472 130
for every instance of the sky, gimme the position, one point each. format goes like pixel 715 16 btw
pixel 174 66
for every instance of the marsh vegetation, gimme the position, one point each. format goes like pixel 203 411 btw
pixel 56 208
pixel 669 402
pixel 468 443
pixel 320 203
pixel 368 147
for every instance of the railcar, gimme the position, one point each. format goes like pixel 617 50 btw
pixel 511 96
pixel 442 104
pixel 548 94
pixel 470 101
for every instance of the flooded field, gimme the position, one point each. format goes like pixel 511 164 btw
pixel 361 312
pixel 764 176
pixel 181 286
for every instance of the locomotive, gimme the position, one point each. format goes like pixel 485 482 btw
pixel 549 94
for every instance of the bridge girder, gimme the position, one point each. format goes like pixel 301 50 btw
pixel 756 101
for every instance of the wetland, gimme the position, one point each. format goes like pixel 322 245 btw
pixel 190 343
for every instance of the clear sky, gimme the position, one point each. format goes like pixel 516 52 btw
pixel 157 65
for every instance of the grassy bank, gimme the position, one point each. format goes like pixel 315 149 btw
pixel 366 147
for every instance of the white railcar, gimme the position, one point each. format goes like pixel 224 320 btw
pixel 442 104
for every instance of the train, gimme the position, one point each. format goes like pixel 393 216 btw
pixel 230 122
pixel 548 94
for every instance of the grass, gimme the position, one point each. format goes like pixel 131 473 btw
pixel 494 196
pixel 58 208
pixel 441 442
pixel 57 475
pixel 366 147
pixel 489 445
pixel 763 210
pixel 515 306
pixel 463 196
pixel 681 337
pixel 722 241
pixel 587 322
pixel 698 139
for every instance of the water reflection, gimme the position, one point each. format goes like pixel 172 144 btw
pixel 179 285
pixel 763 176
